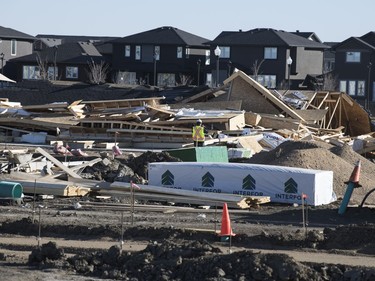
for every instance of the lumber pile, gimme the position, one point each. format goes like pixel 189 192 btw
pixel 238 109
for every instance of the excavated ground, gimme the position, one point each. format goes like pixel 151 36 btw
pixel 183 245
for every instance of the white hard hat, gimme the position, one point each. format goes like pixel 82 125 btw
pixel 199 121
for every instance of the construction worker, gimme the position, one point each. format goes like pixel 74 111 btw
pixel 198 133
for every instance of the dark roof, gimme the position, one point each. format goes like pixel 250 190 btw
pixel 355 40
pixel 163 36
pixel 308 35
pixel 265 37
pixel 9 33
pixel 73 38
pixel 31 92
pixel 80 52
pixel 369 38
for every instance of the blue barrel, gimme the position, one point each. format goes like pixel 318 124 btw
pixel 10 189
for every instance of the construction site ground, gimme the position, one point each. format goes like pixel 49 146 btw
pixel 164 241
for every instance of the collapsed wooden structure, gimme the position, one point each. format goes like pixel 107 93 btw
pixel 241 112
pixel 239 104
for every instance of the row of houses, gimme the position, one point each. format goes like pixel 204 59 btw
pixel 167 56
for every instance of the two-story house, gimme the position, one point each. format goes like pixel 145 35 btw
pixel 275 58
pixel 70 62
pixel 354 68
pixel 165 56
pixel 13 44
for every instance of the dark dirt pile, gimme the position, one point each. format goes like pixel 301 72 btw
pixel 191 261
pixel 323 156
pixel 126 169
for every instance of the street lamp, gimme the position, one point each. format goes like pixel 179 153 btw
pixel 55 64
pixel 199 71
pixel 369 65
pixel 217 54
pixel 154 69
pixel 289 61
pixel 156 56
pixel 229 67
pixel 2 62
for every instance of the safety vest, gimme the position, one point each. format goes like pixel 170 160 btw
pixel 198 133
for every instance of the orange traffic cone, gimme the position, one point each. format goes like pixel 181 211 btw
pixel 352 183
pixel 354 177
pixel 226 229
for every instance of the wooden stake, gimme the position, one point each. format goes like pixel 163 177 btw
pixel 122 230
pixel 39 226
pixel 34 201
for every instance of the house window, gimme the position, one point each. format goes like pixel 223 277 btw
pixel 179 52
pixel 353 88
pixel 268 81
pixel 187 53
pixel 225 52
pixel 13 47
pixel 166 79
pixel 127 51
pixel 353 57
pixel 126 78
pixel 361 88
pixel 137 52
pixel 270 53
pixel 343 86
pixel 157 52
pixel 30 72
pixel 71 72
pixel 208 60
pixel 52 73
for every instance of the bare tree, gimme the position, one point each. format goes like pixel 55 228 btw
pixel 255 68
pixel 98 72
pixel 43 66
pixel 185 79
pixel 330 82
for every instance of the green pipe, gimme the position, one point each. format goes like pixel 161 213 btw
pixel 10 189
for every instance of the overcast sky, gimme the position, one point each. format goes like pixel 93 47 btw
pixel 331 20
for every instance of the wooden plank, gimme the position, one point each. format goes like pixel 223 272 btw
pixel 123 102
pixel 57 162
pixel 210 105
pixel 279 122
pixel 59 188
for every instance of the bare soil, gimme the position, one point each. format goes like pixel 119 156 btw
pixel 83 241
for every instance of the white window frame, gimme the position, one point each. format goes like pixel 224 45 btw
pixel 13 47
pixel 270 53
pixel 71 72
pixel 138 51
pixel 127 51
pixel 353 56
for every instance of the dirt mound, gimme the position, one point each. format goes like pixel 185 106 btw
pixel 323 156
pixel 192 261
pixel 129 168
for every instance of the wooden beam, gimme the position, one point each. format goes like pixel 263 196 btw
pixel 57 163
